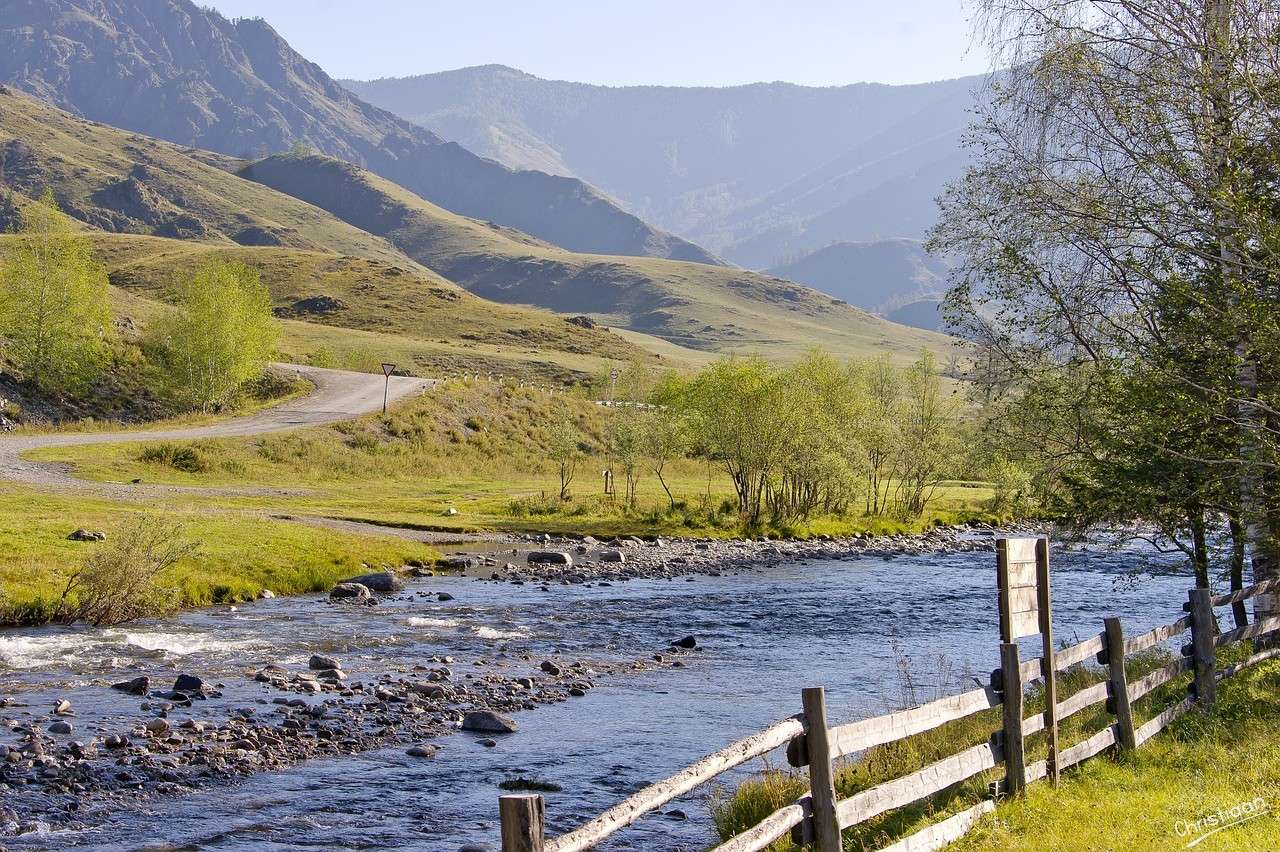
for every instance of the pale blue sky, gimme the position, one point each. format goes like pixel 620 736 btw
pixel 671 42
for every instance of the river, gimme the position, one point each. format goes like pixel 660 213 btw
pixel 848 625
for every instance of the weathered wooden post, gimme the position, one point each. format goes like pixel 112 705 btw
pixel 1022 578
pixel 522 823
pixel 1203 686
pixel 1118 685
pixel 826 825
pixel 1015 765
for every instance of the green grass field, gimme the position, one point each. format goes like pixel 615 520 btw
pixel 477 447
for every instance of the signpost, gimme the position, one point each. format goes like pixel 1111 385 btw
pixel 1022 576
pixel 613 384
pixel 387 370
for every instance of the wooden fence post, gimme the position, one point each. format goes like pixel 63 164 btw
pixel 1202 656
pixel 1015 775
pixel 522 823
pixel 1048 664
pixel 826 825
pixel 1119 685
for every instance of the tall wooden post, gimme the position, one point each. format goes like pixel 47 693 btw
pixel 522 823
pixel 1202 657
pixel 1015 766
pixel 1118 684
pixel 826 825
pixel 1048 668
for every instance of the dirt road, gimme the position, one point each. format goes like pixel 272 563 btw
pixel 338 395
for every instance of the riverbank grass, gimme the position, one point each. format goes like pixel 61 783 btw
pixel 1205 762
pixel 237 555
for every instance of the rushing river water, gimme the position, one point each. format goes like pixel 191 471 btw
pixel 764 636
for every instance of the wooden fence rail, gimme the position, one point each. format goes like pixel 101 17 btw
pixel 817 818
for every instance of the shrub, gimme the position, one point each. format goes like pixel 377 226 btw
pixel 188 458
pixel 120 581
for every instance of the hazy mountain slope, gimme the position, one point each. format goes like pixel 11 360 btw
pixel 154 209
pixel 694 305
pixel 878 276
pixel 175 71
pixel 724 166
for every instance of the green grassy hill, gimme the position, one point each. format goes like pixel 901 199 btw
pixel 693 305
pixel 153 210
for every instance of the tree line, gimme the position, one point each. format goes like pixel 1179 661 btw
pixel 817 437
pixel 58 332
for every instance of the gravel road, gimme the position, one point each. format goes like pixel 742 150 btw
pixel 338 395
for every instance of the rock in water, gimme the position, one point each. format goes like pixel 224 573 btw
pixel 489 722
pixel 382 581
pixel 62 708
pixel 320 662
pixel 350 591
pixel 550 668
pixel 137 686
pixel 423 750
pixel 60 728
pixel 159 727
pixel 549 557
pixel 189 684
pixel 686 642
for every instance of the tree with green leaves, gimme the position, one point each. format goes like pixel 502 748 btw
pixel 564 446
pixel 54 313
pixel 221 336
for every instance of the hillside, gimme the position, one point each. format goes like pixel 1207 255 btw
pixel 879 276
pixel 694 305
pixel 153 209
pixel 176 71
pixel 755 172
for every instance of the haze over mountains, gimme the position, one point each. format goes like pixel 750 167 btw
pixel 759 173
pixel 170 69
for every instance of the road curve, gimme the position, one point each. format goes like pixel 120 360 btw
pixel 338 395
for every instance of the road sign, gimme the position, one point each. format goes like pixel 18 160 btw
pixel 388 369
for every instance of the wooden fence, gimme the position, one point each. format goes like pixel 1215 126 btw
pixel 818 817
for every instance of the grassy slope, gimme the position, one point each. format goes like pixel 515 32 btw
pixel 385 290
pixel 694 305
pixel 1205 761
pixel 478 447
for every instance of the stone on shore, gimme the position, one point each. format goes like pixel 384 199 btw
pixel 613 556
pixel 189 684
pixel 549 557
pixel 489 722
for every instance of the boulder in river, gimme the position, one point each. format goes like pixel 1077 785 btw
pixel 489 722
pixel 320 662
pixel 549 557
pixel 550 668
pixel 137 686
pixel 60 728
pixel 423 750
pixel 350 591
pixel 612 556
pixel 381 581
pixel 686 642
pixel 62 708
pixel 189 684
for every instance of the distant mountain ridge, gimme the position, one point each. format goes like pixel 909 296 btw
pixel 756 173
pixel 879 276
pixel 173 70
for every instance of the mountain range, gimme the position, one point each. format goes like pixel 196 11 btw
pixel 267 158
pixel 176 71
pixel 756 173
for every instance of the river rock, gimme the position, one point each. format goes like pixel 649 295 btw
pixel 489 722
pixel 350 591
pixel 62 708
pixel 158 727
pixel 443 596
pixel 612 556
pixel 382 581
pixel 320 662
pixel 60 728
pixel 137 686
pixel 686 642
pixel 189 684
pixel 550 668
pixel 454 563
pixel 549 557
pixel 266 595
pixel 423 750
